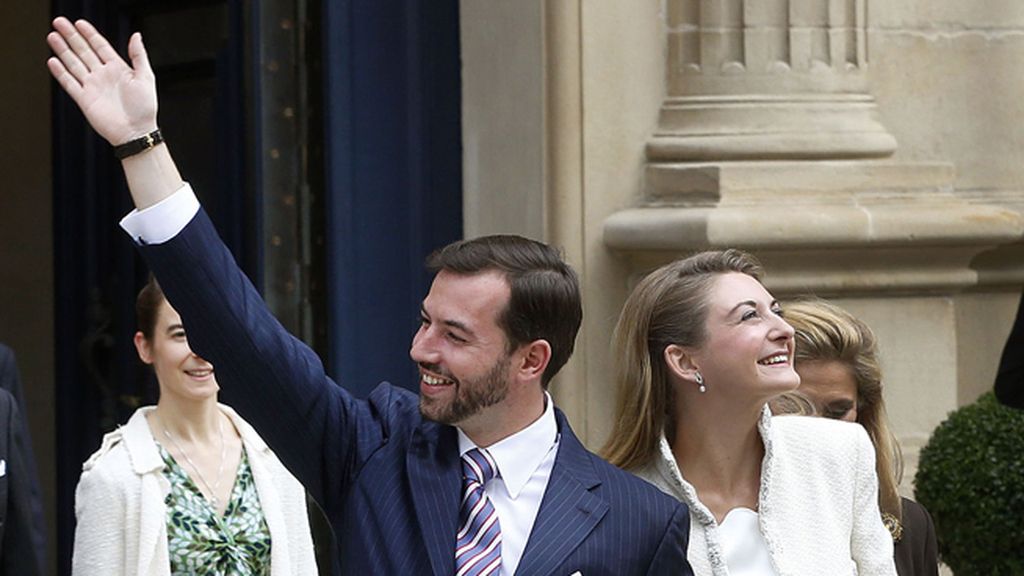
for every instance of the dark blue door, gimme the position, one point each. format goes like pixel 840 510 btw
pixel 394 175
pixel 380 136
pixel 97 273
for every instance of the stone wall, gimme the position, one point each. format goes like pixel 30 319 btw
pixel 866 151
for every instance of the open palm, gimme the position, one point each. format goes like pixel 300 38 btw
pixel 118 100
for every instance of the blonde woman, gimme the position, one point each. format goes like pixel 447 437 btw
pixel 837 361
pixel 701 348
pixel 186 486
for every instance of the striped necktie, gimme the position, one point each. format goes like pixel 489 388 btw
pixel 478 543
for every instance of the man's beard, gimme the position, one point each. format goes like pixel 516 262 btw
pixel 471 396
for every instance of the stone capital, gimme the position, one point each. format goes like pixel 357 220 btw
pixel 768 79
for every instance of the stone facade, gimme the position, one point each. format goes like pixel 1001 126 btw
pixel 865 151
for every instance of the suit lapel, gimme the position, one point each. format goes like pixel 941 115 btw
pixel 569 511
pixel 435 479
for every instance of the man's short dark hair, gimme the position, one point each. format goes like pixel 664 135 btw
pixel 545 292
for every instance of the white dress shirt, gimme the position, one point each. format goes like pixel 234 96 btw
pixel 524 462
pixel 163 220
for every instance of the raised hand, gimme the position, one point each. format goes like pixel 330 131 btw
pixel 118 100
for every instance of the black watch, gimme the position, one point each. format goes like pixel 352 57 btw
pixel 138 145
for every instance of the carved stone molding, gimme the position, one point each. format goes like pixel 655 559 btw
pixel 767 79
pixel 827 227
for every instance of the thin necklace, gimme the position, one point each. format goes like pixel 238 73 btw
pixel 214 501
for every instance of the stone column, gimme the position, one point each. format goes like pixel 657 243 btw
pixel 768 79
pixel 768 140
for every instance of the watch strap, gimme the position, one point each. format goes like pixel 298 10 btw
pixel 142 144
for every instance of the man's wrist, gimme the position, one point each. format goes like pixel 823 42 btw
pixel 137 145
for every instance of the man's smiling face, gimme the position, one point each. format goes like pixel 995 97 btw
pixel 461 351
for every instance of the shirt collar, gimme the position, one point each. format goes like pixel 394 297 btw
pixel 519 455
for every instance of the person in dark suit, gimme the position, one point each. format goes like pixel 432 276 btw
pixel 1009 386
pixel 10 381
pixel 17 525
pixel 479 474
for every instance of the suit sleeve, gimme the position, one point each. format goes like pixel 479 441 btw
pixel 276 382
pixel 99 546
pixel 19 526
pixel 1009 386
pixel 871 542
pixel 670 557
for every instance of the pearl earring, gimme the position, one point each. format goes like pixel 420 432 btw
pixel 700 382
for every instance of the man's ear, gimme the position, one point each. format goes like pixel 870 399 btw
pixel 535 357
pixel 680 363
pixel 142 348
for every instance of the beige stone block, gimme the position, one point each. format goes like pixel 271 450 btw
pixel 808 206
pixel 868 270
pixel 773 226
pixel 824 181
pixel 623 84
pixel 938 223
pixel 954 97
pixel 983 321
pixel 502 117
pixel 563 179
pixel 824 227
pixel 946 14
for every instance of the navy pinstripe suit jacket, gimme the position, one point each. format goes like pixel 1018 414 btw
pixel 389 481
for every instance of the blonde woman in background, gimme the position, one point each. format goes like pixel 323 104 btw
pixel 837 361
pixel 701 348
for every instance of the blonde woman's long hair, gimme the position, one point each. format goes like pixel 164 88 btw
pixel 669 306
pixel 827 333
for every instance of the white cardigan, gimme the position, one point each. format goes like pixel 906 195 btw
pixel 818 502
pixel 122 518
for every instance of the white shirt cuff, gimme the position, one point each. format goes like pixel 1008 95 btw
pixel 163 220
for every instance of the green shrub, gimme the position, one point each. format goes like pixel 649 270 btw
pixel 971 480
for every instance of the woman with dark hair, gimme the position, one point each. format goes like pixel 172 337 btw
pixel 836 358
pixel 702 347
pixel 186 486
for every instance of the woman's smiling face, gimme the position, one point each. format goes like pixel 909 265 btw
pixel 179 371
pixel 748 349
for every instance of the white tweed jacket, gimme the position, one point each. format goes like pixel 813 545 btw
pixel 818 502
pixel 122 518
